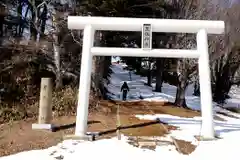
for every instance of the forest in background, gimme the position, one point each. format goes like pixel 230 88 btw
pixel 35 42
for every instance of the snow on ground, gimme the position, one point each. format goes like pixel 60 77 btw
pixel 138 89
pixel 190 127
pixel 108 149
pixel 225 148
pixel 234 101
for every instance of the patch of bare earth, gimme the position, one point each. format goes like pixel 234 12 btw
pixel 18 136
pixel 185 147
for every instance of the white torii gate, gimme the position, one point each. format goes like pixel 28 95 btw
pixel 200 27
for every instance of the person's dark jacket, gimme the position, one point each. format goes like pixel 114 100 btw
pixel 124 87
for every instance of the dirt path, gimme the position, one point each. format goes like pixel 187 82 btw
pixel 18 136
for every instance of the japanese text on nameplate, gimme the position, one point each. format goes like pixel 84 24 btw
pixel 146 39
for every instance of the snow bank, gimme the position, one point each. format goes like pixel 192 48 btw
pixel 139 89
pixel 225 148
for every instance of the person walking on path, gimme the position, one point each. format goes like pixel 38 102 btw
pixel 124 90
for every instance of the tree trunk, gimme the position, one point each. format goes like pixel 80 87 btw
pixel 196 91
pixel 2 17
pixel 149 75
pixel 109 42
pixel 222 87
pixel 159 74
pixel 138 64
pixel 33 29
pixel 182 83
pixel 19 11
pixel 130 75
pixel 107 63
pixel 56 51
pixel 223 84
pixel 149 78
pixel 94 75
pixel 180 96
pixel 58 66
pixel 225 69
pixel 98 72
pixel 43 18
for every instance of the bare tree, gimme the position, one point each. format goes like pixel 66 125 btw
pixel 188 9
pixel 226 52
pixel 56 51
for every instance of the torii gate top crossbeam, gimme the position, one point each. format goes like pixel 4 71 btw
pixel 135 24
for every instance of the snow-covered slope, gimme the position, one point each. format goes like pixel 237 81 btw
pixel 138 89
